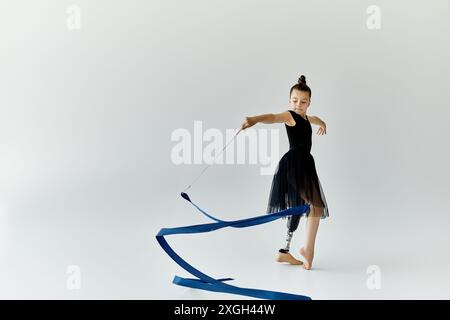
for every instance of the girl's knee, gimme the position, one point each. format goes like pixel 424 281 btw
pixel 316 211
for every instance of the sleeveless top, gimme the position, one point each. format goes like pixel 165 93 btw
pixel 299 135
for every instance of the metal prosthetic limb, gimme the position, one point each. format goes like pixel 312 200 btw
pixel 292 224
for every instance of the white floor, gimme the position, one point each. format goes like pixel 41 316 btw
pixel 341 267
pixel 120 259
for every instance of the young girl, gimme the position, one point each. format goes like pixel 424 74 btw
pixel 295 181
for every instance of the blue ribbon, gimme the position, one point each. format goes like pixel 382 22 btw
pixel 206 282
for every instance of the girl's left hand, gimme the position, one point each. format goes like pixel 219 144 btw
pixel 323 129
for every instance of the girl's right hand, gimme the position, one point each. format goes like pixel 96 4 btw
pixel 249 122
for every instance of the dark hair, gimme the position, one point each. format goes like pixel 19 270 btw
pixel 301 85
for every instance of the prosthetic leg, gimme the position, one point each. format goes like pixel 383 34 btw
pixel 292 225
pixel 283 254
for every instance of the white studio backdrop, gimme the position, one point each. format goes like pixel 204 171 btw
pixel 93 92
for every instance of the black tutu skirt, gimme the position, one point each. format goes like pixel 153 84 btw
pixel 296 183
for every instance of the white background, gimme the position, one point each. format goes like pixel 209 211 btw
pixel 86 116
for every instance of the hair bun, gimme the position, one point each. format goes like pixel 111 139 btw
pixel 302 80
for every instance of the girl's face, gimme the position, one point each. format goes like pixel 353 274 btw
pixel 299 101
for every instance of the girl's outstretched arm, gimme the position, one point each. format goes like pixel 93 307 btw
pixel 319 122
pixel 267 118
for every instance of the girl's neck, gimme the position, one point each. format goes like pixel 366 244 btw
pixel 300 114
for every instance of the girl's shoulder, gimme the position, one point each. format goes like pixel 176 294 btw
pixel 291 122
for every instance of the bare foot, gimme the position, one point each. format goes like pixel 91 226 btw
pixel 287 257
pixel 309 256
